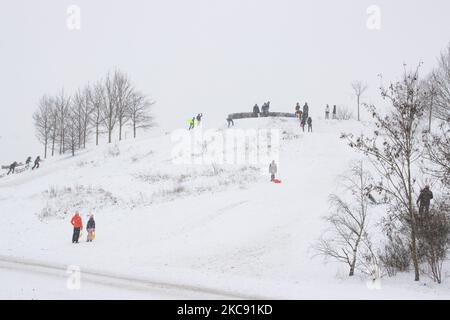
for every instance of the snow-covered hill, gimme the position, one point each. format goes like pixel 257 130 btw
pixel 201 228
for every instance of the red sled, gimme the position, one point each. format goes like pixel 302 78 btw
pixel 276 181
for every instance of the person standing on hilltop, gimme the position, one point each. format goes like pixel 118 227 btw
pixel 191 123
pixel 327 112
pixel 309 124
pixel 199 118
pixel 305 109
pixel 334 112
pixel 256 110
pixel 230 121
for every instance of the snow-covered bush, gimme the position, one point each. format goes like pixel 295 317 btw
pixel 396 256
pixel 434 239
pixel 167 186
pixel 113 151
pixel 344 113
pixel 60 201
pixel 289 135
pixel 139 156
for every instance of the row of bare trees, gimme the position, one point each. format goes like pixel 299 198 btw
pixel 404 151
pixel 66 123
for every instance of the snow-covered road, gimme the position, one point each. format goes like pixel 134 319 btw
pixel 27 279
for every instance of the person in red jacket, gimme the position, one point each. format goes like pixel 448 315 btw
pixel 77 226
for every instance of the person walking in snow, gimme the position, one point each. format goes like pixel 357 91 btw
pixel 309 124
pixel 192 123
pixel 36 163
pixel 90 228
pixel 230 121
pixel 28 161
pixel 12 168
pixel 77 224
pixel 424 199
pixel 199 118
pixel 272 170
pixel 327 112
pixel 334 112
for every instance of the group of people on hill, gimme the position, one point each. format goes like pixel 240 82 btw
pixel 264 112
pixel 327 112
pixel 77 224
pixel 15 164
pixel 192 121
pixel 303 116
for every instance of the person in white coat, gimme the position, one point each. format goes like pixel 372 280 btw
pixel 272 170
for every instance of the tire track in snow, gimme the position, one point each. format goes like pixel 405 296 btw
pixel 122 281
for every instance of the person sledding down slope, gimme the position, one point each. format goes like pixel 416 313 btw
pixel 77 224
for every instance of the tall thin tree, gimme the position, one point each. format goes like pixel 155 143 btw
pixel 394 149
pixel 359 88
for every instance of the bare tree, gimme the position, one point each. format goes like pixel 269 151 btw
pixel 83 108
pixel 43 121
pixel 440 80
pixel 138 112
pixel 97 94
pixel 359 88
pixel 394 148
pixel 343 113
pixel 109 105
pixel 349 219
pixel 54 126
pixel 434 238
pixel 71 130
pixel 62 103
pixel 437 153
pixel 124 90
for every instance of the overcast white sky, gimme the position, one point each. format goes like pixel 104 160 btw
pixel 208 56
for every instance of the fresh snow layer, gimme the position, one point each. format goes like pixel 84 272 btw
pixel 200 227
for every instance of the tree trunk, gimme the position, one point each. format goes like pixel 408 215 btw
pixel 120 130
pixel 53 144
pixel 358 106
pixel 96 134
pixel 413 226
pixel 431 113
pixel 45 149
pixel 352 266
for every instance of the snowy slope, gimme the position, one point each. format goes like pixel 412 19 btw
pixel 229 230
